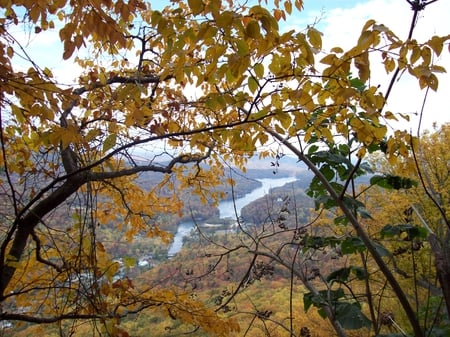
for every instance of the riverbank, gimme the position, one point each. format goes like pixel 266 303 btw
pixel 229 210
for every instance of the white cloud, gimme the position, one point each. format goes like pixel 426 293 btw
pixel 341 22
pixel 342 26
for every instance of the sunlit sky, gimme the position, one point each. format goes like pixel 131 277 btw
pixel 341 22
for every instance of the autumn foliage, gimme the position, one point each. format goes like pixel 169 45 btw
pixel 184 92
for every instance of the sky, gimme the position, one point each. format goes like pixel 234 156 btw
pixel 340 21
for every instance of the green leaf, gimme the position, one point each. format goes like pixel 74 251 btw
pixel 340 275
pixel 327 172
pixel 321 298
pixel 393 182
pixel 109 142
pixel 329 157
pixel 344 149
pixel 352 203
pixel 366 167
pixel 357 84
pixel 381 250
pixel 242 48
pixel 363 213
pixel 260 114
pixel 312 149
pixel 317 242
pixel 225 19
pixel 325 201
pixel 352 245
pixel 412 231
pixel 311 299
pixel 351 317
pixel 360 273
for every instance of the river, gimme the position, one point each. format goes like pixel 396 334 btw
pixel 227 210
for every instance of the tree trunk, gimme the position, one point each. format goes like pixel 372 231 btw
pixel 441 252
pixel 27 223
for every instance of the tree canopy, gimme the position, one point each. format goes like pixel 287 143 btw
pixel 184 92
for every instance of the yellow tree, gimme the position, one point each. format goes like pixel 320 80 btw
pixel 206 82
pixel 411 222
pixel 422 215
pixel 431 162
pixel 330 120
pixel 70 152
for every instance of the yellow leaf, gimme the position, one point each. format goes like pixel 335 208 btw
pixel 390 115
pixel 102 78
pixel 329 59
pixel 337 50
pixel 389 65
pixel 438 69
pixel 288 7
pixel 109 142
pixel 10 52
pixel 129 261
pixel 436 43
pixel 48 72
pixel 380 132
pixel 361 152
pixel 18 113
pixel 426 56
pixel 365 40
pixel 430 81
pixel 363 65
pixel 259 70
pixel 285 119
pixel 278 14
pixel 303 98
pixel 112 270
pixel 268 22
pixel 196 6
pixel 415 54
pixel 368 24
pixel 206 31
pixel 252 84
pixel 100 247
pixel 225 19
pixel 299 4
pixel 252 30
pixel 315 38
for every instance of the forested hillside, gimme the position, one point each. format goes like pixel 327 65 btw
pixel 123 123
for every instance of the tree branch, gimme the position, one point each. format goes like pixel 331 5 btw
pixel 39 257
pixel 359 230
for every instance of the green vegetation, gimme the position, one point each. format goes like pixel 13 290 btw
pixel 169 108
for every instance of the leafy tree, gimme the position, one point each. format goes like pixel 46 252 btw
pixel 193 86
pixel 70 153
pixel 418 225
pixel 331 121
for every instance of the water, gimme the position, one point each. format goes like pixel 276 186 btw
pixel 227 209
pixel 183 230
